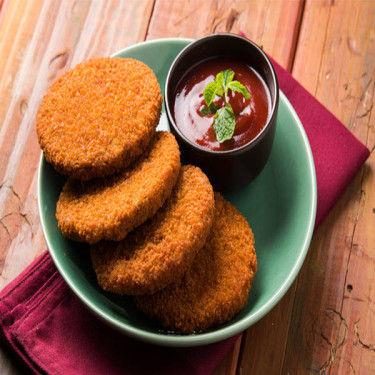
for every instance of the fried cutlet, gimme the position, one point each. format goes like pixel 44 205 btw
pixel 217 284
pixel 97 118
pixel 108 208
pixel 162 249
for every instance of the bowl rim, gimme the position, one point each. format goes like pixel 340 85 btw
pixel 273 113
pixel 204 337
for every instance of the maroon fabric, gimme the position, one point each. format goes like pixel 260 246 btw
pixel 53 333
pixel 50 330
pixel 338 155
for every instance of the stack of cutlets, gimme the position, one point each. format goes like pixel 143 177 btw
pixel 156 229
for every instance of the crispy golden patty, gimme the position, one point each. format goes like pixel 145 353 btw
pixel 109 208
pixel 217 284
pixel 98 117
pixel 162 249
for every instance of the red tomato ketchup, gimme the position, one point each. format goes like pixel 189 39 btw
pixel 251 115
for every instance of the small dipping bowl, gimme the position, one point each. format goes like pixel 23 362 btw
pixel 227 170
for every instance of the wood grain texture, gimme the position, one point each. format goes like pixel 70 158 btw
pixel 264 343
pixel 334 315
pixel 271 24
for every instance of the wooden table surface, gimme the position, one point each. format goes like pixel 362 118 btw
pixel 325 324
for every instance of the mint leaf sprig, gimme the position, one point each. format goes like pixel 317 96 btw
pixel 224 121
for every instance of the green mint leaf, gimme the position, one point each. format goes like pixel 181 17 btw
pixel 210 92
pixel 228 76
pixel 219 79
pixel 224 123
pixel 220 91
pixel 220 84
pixel 239 87
pixel 224 120
pixel 209 110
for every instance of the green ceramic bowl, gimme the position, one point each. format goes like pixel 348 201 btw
pixel 280 206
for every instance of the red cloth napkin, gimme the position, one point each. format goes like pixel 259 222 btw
pixel 338 155
pixel 53 333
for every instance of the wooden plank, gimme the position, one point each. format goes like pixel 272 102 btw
pixel 271 24
pixel 274 25
pixel 39 40
pixel 13 49
pixel 264 343
pixel 334 315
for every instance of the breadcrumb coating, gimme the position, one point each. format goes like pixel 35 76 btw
pixel 97 118
pixel 216 286
pixel 111 207
pixel 161 250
